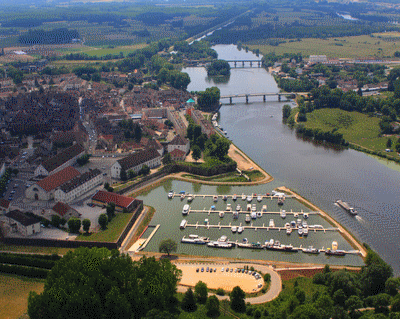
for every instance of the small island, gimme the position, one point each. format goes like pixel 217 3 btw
pixel 219 68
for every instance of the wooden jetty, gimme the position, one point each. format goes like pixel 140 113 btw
pixel 238 196
pixel 209 211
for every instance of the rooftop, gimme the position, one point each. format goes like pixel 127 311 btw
pixel 118 200
pixel 62 157
pixel 57 179
pixel 61 208
pixel 138 158
pixel 22 218
pixel 79 180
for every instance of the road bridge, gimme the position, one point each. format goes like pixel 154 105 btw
pixel 264 95
pixel 236 63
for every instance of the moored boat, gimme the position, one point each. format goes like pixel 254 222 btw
pixel 305 231
pixel 171 194
pixel 249 207
pixel 185 209
pixel 253 215
pixel 215 198
pixel 195 239
pixel 253 207
pixel 281 199
pixel 221 214
pixel 300 231
pixel 183 224
pixel 311 250
pixel 228 207
pixel 224 197
pixel 238 208
pixel 218 244
pixel 259 214
pixel 305 215
pixel 259 198
pixel 288 231
pixel 249 198
pixel 234 229
pixel 271 223
pixel 247 219
pixel 240 229
pixel 264 209
pixel 283 213
pixel 182 196
pixel 243 197
pixel 235 215
pixel 190 198
pixel 290 249
pixel 234 197
pixel 331 252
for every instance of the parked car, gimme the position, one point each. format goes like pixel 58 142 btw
pixel 197 269
pixel 222 269
pixel 202 269
pixel 207 269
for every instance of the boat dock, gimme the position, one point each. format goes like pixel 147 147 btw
pixel 251 226
pixel 178 195
pixel 210 211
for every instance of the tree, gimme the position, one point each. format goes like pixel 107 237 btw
pixel 212 306
pixel 201 292
pixel 237 299
pixel 103 221
pixel 55 220
pixel 84 159
pixel 145 170
pixel 99 283
pixel 167 246
pixel 122 175
pixel 196 153
pixel 209 98
pixel 86 225
pixel 389 143
pixel 188 301
pixel 167 159
pixel 74 225
pixel 353 303
pixel 392 286
pixel 110 210
pixel 63 221
pixel 286 110
pixel 306 311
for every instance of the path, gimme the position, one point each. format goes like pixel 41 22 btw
pixel 132 232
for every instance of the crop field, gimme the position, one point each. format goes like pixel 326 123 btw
pixel 14 292
pixel 356 128
pixel 345 47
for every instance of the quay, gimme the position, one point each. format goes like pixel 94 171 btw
pixel 231 196
pixel 251 226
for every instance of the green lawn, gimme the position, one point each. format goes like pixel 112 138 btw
pixel 14 291
pixel 116 50
pixel 35 249
pixel 345 47
pixel 228 177
pixel 357 128
pixel 113 231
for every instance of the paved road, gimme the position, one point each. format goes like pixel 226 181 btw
pixel 274 289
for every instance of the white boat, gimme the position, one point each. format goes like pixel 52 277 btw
pixel 287 225
pixel 223 238
pixel 300 231
pixel 247 219
pixel 334 245
pixel 281 199
pixel 221 214
pixel 293 224
pixel 259 214
pixel 243 197
pixel 195 239
pixel 215 198
pixel 295 215
pixel 305 215
pixel 253 215
pixel 288 231
pixel 228 207
pixel 249 198
pixel 217 244
pixel 206 221
pixel 298 221
pixel 238 208
pixel 183 224
pixel 185 209
pixel 234 197
pixel 240 229
pixel 235 215
pixel 253 208
pixel 316 226
pixel 271 223
pixel 182 196
pixel 224 198
pixel 283 213
pixel 170 194
pixel 234 229
pixel 264 209
pixel 249 207
pixel 259 198
pixel 311 250
pixel 190 198
pixel 304 224
pixel 305 231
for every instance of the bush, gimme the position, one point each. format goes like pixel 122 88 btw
pixel 267 277
pixel 220 292
pixel 25 260
pixel 24 271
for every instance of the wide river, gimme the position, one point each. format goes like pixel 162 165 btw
pixel 318 173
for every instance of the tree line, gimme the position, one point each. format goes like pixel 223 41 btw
pixel 56 36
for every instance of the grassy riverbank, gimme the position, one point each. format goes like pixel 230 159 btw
pixel 360 130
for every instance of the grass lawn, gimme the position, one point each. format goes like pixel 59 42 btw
pixel 124 49
pixel 356 128
pixel 113 231
pixel 35 249
pixel 228 177
pixel 14 291
pixel 345 47
pixel 254 175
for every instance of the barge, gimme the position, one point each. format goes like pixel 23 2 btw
pixel 346 207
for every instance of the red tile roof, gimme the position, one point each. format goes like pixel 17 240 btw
pixel 176 153
pixel 4 203
pixel 61 208
pixel 118 200
pixel 57 179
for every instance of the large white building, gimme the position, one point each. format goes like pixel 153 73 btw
pixel 78 186
pixel 135 162
pixel 179 143
pixel 65 158
pixel 45 188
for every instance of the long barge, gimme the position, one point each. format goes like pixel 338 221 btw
pixel 346 207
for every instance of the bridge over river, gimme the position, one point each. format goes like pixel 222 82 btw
pixel 236 63
pixel 264 95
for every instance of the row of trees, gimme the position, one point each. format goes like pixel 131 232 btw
pixel 56 36
pixel 208 99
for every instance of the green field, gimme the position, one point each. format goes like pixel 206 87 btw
pixel 113 231
pixel 357 128
pixel 14 291
pixel 35 249
pixel 346 47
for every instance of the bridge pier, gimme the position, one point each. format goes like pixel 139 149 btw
pixel 251 64
pixel 279 97
pixel 264 99
pixel 247 99
pixel 230 100
pixel 259 64
pixel 235 64
pixel 243 64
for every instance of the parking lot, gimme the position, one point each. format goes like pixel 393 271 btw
pixel 219 277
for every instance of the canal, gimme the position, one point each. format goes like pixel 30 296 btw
pixel 316 172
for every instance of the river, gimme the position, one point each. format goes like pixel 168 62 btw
pixel 318 173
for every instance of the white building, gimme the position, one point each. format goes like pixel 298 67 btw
pixel 179 143
pixel 65 158
pixel 22 223
pixel 45 188
pixel 78 186
pixel 318 59
pixel 135 162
